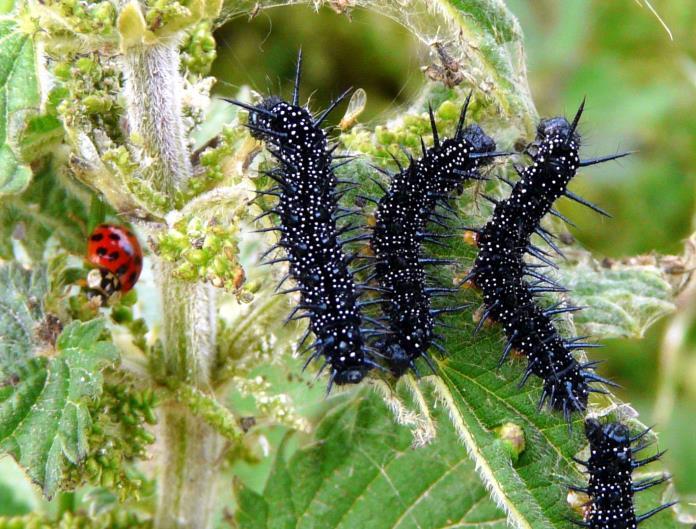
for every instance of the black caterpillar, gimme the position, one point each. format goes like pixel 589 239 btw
pixel 501 273
pixel 401 227
pixel 611 486
pixel 308 209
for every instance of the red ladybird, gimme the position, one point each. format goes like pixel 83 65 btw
pixel 115 249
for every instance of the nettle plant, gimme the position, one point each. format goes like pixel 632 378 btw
pixel 182 402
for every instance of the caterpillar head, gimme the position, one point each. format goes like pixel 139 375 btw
pixel 349 376
pixel 614 432
pixel 260 119
pixel 593 430
pixel 399 360
pixel 478 139
pixel 557 128
pixel 469 145
pixel 557 143
pixel 617 432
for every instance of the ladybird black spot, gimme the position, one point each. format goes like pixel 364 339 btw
pixel 132 278
pixel 101 251
pixel 97 237
pixel 138 260
pixel 109 282
pixel 121 270
pixel 114 236
pixel 114 255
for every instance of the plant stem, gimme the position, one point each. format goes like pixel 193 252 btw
pixel 153 91
pixel 189 449
pixel 674 346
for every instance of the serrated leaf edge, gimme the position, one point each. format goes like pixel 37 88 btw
pixel 497 492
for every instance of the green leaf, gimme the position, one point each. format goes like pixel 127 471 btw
pixel 44 415
pixel 19 99
pixel 39 136
pixel 14 176
pixel 6 6
pixel 498 50
pixel 54 205
pixel 244 332
pixel 480 398
pixel 210 410
pixel 17 496
pixel 361 472
pixel 621 300
pixel 21 312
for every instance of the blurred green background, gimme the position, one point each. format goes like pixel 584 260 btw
pixel 641 92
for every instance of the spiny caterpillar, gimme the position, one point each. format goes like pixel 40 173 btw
pixel 401 227
pixel 611 486
pixel 501 272
pixel 308 209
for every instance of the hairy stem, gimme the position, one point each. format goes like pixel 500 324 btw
pixel 153 91
pixel 189 448
pixel 672 350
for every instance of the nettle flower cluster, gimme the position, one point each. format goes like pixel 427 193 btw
pixel 93 162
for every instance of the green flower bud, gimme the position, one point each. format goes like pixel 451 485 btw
pixel 95 104
pixel 130 298
pixel 411 121
pixel 512 438
pixel 121 314
pixel 149 396
pixel 85 64
pixel 448 110
pixel 62 71
pixel 131 25
pixel 412 140
pixel 149 416
pixel 92 467
pixel 147 437
pixel 187 271
pixel 108 479
pixel 196 257
pixel 208 43
pixel 105 13
pixel 384 136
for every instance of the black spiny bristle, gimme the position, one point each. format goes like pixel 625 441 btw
pixel 611 486
pixel 503 275
pixel 401 229
pixel 308 209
